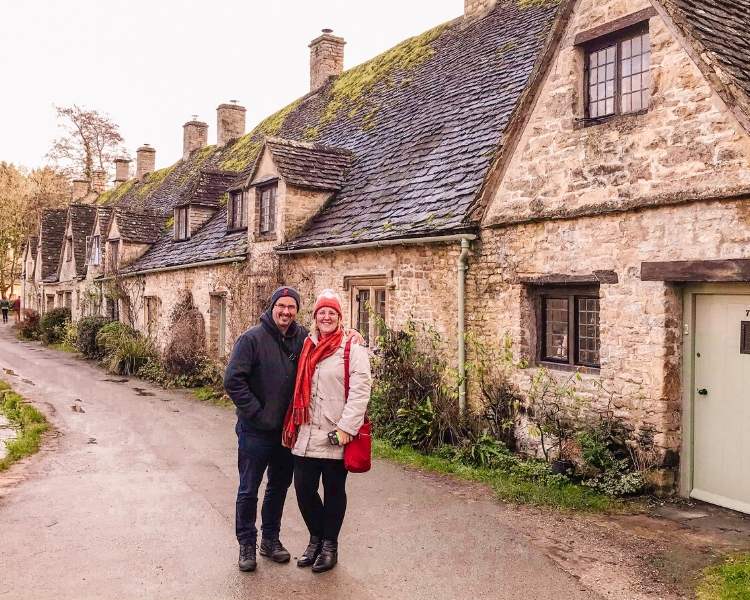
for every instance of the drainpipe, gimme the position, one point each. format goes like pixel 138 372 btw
pixel 461 326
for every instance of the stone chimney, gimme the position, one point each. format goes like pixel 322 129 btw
pixel 122 170
pixel 80 189
pixel 145 161
pixel 230 122
pixel 99 181
pixel 326 58
pixel 194 136
pixel 473 8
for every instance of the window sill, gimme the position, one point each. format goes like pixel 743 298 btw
pixel 586 122
pixel 235 229
pixel 265 237
pixel 555 366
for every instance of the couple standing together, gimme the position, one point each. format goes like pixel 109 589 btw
pixel 294 416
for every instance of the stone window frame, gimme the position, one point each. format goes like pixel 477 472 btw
pixel 269 232
pixel 181 223
pixel 572 293
pixel 237 196
pixel 151 306
pixel 613 33
pixel 361 320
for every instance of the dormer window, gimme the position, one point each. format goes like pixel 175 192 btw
pixel 236 212
pixel 181 223
pixel 113 254
pixel 617 67
pixel 95 250
pixel 267 209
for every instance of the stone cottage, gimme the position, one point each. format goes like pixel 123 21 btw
pixel 569 176
pixel 614 229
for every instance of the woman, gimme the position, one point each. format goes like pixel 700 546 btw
pixel 320 422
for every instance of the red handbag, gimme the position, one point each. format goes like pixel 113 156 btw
pixel 358 452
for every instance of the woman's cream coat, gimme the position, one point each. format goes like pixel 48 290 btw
pixel 327 408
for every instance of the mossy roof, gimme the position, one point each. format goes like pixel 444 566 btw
pixel 422 123
pixel 51 236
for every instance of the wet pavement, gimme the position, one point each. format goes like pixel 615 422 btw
pixel 133 497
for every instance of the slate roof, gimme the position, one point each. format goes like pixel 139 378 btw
pixel 311 166
pixel 105 215
pixel 211 242
pixel 51 235
pixel 139 227
pixel 422 123
pixel 82 217
pixel 210 186
pixel 723 27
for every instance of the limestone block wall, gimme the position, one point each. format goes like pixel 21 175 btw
pixel 686 145
pixel 198 216
pixel 640 321
pixel 297 206
pixel 421 283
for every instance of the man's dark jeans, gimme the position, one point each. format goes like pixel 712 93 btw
pixel 261 452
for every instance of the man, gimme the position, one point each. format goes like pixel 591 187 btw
pixel 260 381
pixel 4 307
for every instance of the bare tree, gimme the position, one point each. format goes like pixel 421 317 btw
pixel 90 141
pixel 23 195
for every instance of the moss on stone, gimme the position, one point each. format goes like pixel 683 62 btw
pixel 244 151
pixel 115 194
pixel 169 223
pixel 351 88
pixel 523 4
pixel 155 180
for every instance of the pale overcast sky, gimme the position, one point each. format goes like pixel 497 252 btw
pixel 150 65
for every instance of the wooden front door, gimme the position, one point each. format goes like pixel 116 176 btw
pixel 721 392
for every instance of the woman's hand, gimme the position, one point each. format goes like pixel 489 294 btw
pixel 344 438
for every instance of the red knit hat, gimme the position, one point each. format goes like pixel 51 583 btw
pixel 328 299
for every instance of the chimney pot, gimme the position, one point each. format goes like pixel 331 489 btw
pixel 194 136
pixel 80 189
pixel 145 161
pixel 326 58
pixel 230 122
pixel 473 8
pixel 122 170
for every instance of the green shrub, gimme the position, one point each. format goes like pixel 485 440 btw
pixel 29 328
pixel 186 348
pixel 70 335
pixel 152 370
pixel 52 325
pixel 30 422
pixel 125 350
pixel 618 480
pixel 85 343
pixel 483 451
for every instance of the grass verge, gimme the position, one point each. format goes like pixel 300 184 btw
pixel 729 580
pixel 30 422
pixel 508 487
pixel 212 395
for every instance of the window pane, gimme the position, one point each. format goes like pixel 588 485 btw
pixel 556 328
pixel 635 73
pixel 588 331
pixel 602 75
pixel 363 314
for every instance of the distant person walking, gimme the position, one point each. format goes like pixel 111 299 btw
pixel 17 308
pixel 4 307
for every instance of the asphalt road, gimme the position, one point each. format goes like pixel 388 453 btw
pixel 133 497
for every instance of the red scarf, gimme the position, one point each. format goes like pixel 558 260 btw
pixel 299 410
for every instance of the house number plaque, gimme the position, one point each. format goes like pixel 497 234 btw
pixel 744 337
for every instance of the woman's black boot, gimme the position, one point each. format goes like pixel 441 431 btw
pixel 328 557
pixel 311 552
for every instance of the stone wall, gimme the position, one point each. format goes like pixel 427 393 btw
pixel 686 146
pixel 198 216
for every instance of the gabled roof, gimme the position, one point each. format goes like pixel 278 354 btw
pixel 31 245
pixel 138 227
pixel 210 186
pixel 722 30
pixel 307 165
pixel 422 122
pixel 82 217
pixel 104 216
pixel 51 235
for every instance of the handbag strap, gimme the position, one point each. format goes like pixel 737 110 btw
pixel 347 352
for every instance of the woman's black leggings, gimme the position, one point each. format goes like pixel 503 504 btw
pixel 322 517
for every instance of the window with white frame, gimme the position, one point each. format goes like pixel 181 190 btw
pixel 236 211
pixel 95 250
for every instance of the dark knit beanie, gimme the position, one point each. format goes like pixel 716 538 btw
pixel 283 292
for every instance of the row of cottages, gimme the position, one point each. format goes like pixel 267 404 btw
pixel 570 176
